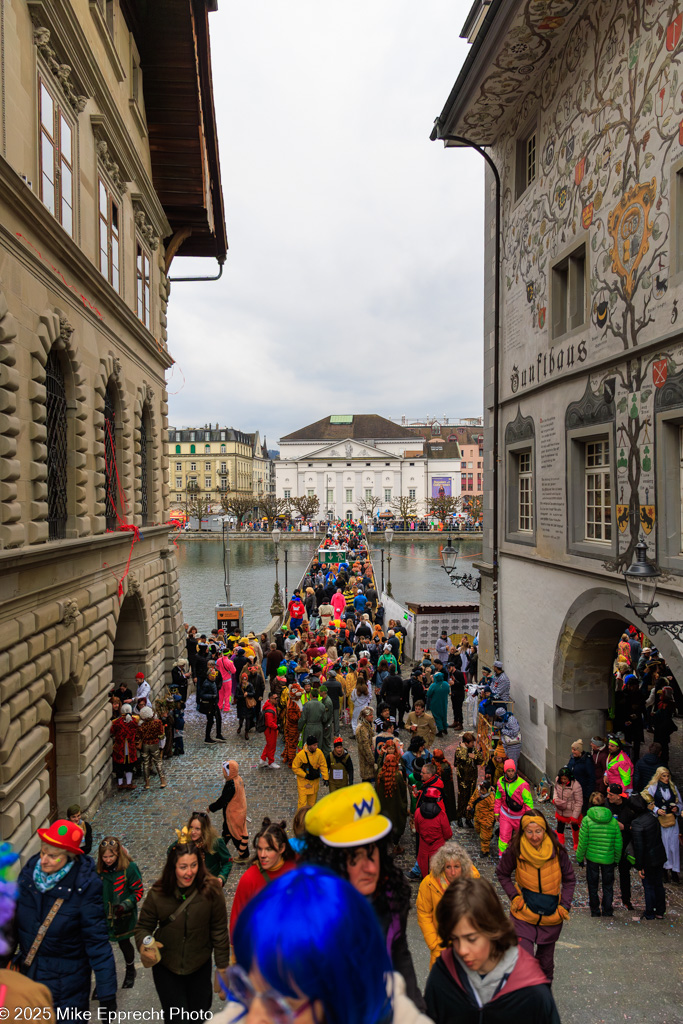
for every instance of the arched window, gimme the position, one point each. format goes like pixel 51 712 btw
pixel 56 429
pixel 207 448
pixel 145 467
pixel 110 483
pixel 192 451
pixel 177 449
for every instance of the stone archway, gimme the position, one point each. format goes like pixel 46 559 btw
pixel 131 648
pixel 582 669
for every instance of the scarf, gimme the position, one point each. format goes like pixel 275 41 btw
pixel 537 858
pixel 45 882
pixel 485 986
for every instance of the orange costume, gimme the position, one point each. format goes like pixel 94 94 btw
pixel 292 716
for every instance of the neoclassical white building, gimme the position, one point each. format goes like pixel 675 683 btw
pixel 343 459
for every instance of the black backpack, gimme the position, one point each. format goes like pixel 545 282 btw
pixel 261 722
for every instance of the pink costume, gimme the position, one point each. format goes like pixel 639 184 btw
pixel 227 672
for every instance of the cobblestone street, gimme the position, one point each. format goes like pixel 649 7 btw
pixel 610 970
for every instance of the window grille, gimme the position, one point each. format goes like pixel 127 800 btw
pixel 144 494
pixel 56 427
pixel 109 461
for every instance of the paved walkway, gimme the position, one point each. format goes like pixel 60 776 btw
pixel 606 970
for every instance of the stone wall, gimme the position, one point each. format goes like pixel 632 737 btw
pixel 60 656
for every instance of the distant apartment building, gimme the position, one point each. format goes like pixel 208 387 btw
pixel 212 461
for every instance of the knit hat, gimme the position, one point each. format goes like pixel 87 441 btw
pixel 499 750
pixel 146 713
pixel 616 789
pixel 348 817
pixel 500 712
pixel 139 675
pixel 62 833
pixel 498 664
pixel 509 765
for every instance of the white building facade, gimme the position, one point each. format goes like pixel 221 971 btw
pixel 346 459
pixel 583 379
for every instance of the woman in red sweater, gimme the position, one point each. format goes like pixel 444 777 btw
pixel 273 857
pixel 432 827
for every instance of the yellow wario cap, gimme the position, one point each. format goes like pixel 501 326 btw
pixel 348 817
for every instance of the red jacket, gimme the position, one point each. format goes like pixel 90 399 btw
pixel 270 713
pixel 251 882
pixel 433 833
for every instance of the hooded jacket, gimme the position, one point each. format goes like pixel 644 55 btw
pixel 600 838
pixel 75 943
pixel 568 800
pixel 524 996
pixel 644 770
pixel 433 830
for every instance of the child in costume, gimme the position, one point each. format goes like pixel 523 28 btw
pixel 482 804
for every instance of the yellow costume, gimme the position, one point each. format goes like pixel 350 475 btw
pixel 307 789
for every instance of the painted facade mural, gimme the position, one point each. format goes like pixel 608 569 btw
pixel 608 114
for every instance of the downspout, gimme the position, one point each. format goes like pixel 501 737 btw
pixel 460 140
pixel 217 277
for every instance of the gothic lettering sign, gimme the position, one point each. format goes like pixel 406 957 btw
pixel 630 228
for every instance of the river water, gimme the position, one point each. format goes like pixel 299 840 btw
pixel 416 575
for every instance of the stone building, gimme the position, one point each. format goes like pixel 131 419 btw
pixel 345 459
pixel 94 204
pixel 578 108
pixel 215 460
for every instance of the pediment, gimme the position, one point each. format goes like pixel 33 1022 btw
pixel 349 450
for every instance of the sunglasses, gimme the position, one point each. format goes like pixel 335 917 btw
pixel 240 990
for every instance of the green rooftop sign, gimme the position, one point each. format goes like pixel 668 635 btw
pixel 341 419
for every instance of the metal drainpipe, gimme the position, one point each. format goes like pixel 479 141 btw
pixel 467 143
pixel 221 262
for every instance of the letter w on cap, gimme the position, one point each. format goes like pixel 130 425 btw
pixel 365 807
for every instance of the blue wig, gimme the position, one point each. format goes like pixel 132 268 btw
pixel 310 932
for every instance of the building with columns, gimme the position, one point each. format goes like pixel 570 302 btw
pixel 343 459
pixel 108 169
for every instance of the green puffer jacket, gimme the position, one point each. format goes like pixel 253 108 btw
pixel 599 837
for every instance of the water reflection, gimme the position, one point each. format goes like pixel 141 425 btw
pixel 416 574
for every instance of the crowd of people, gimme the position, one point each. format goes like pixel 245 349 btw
pixel 304 890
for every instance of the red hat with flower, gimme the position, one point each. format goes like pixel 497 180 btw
pixel 65 834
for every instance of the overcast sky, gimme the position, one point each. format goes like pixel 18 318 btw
pixel 354 276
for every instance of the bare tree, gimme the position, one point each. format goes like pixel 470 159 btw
pixel 197 506
pixel 368 506
pixel 444 507
pixel 405 509
pixel 237 505
pixel 272 507
pixel 307 507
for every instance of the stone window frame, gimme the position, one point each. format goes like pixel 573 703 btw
pixel 520 437
pixel 531 126
pixel 668 444
pixel 576 440
pixel 61 109
pixel 579 243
